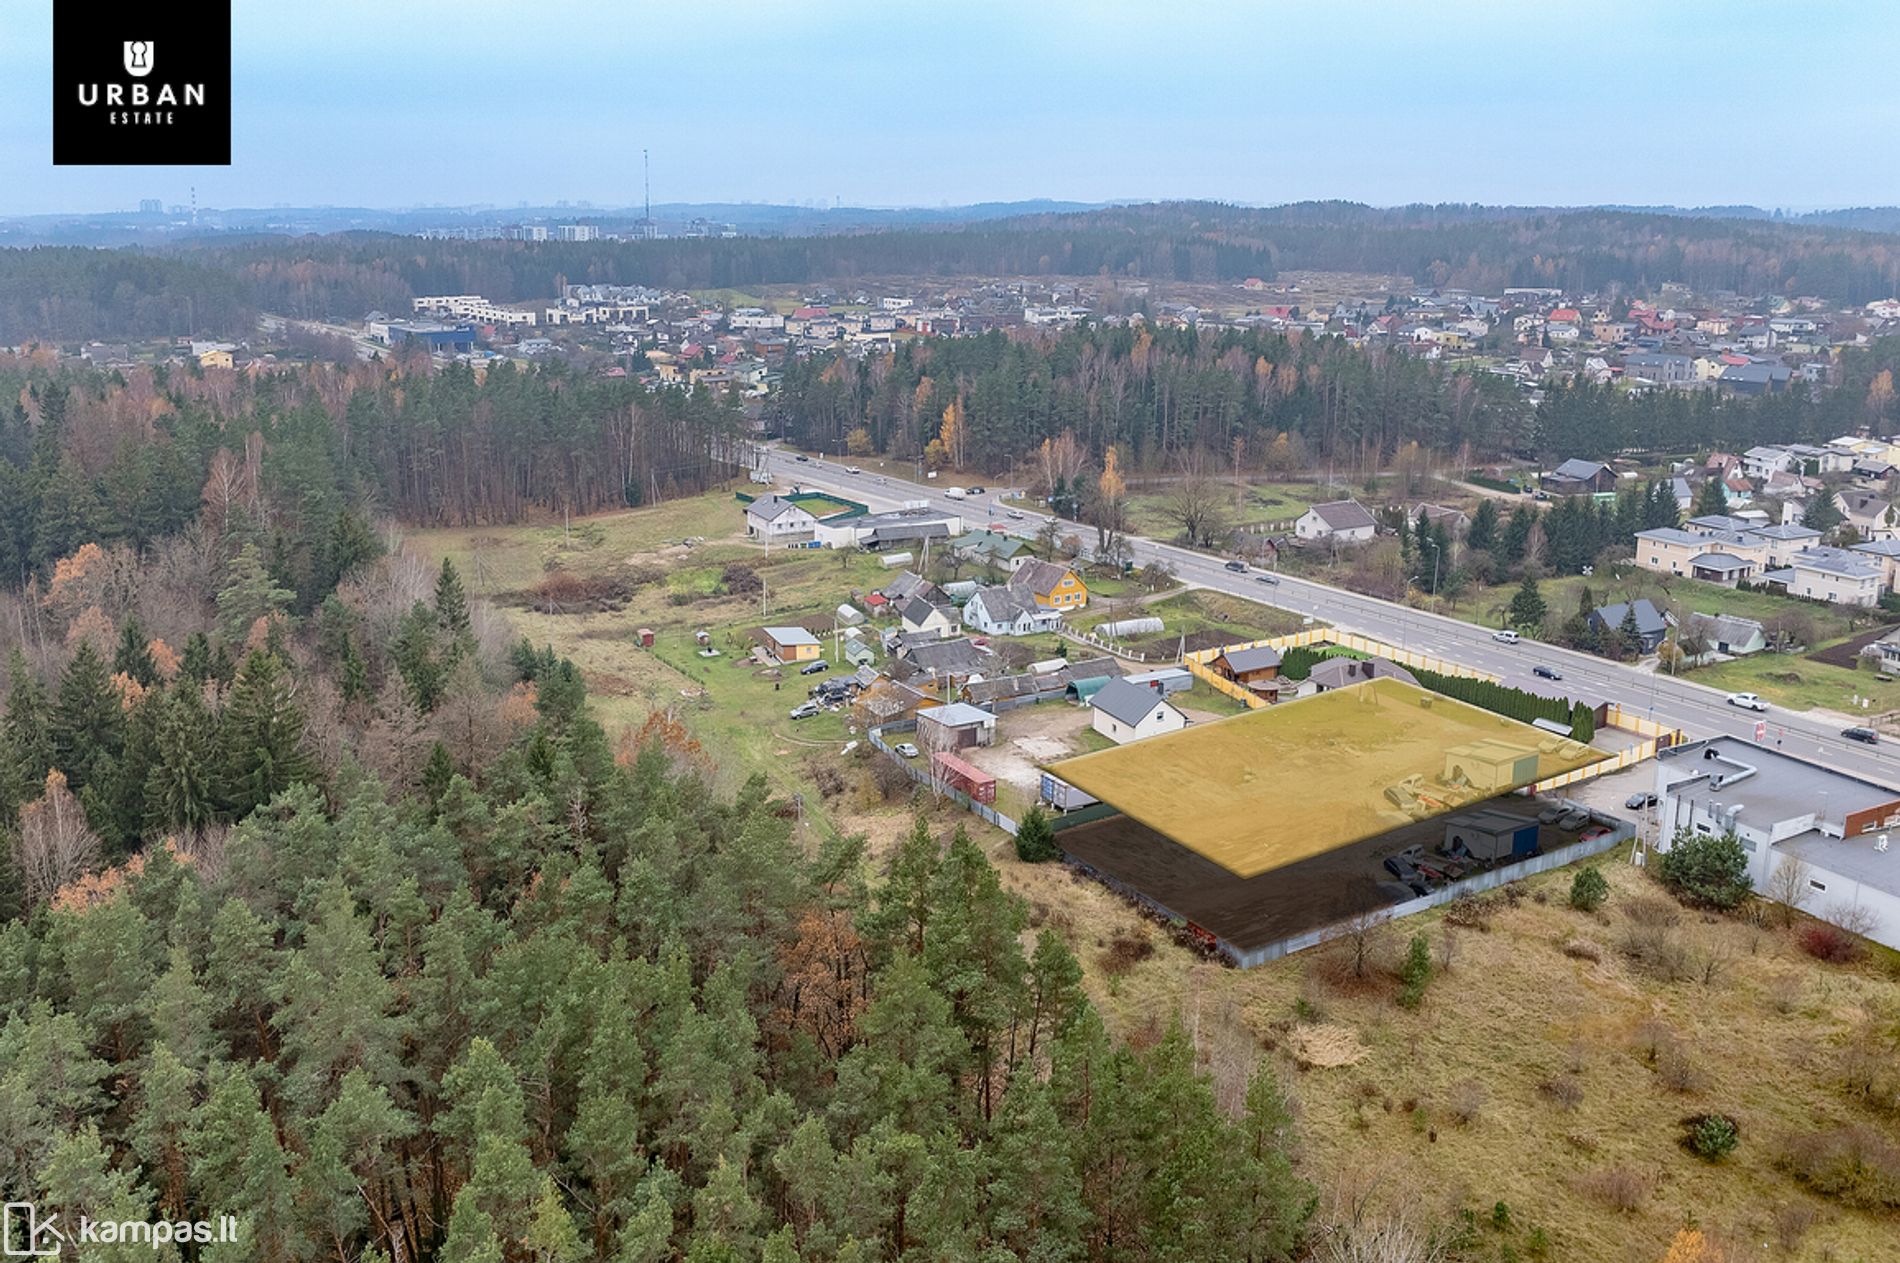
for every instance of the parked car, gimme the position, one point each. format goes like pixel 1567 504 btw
pixel 1574 819
pixel 1238 567
pixel 1505 636
pixel 1267 579
pixel 906 749
pixel 1014 515
pixel 1553 813
pixel 1594 832
pixel 805 710
pixel 1866 736
pixel 1747 701
pixel 1546 673
pixel 814 668
pixel 1639 802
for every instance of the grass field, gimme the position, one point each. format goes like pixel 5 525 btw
pixel 1798 682
pixel 1525 1076
pixel 1272 787
pixel 1260 503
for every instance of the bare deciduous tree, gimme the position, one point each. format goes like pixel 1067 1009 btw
pixel 55 845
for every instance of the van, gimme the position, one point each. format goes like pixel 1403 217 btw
pixel 1505 636
pixel 955 493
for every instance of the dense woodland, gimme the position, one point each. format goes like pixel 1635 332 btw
pixel 321 450
pixel 325 905
pixel 1287 401
pixel 211 286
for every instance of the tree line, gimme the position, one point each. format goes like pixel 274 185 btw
pixel 312 454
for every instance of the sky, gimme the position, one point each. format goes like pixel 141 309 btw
pixel 428 102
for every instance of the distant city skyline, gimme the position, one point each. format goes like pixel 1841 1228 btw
pixel 354 104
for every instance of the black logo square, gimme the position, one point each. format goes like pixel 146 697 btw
pixel 142 91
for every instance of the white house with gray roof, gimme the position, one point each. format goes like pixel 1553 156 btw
pixel 1000 612
pixel 778 519
pixel 1342 521
pixel 1836 575
pixel 1127 712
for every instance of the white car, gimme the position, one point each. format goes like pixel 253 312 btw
pixel 1747 701
pixel 852 469
pixel 1505 636
pixel 906 749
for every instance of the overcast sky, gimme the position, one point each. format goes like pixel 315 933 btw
pixel 350 102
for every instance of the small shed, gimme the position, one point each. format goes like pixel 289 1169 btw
pixel 1086 688
pixel 644 637
pixel 957 726
pixel 1167 681
pixel 1491 835
pixel 958 775
pixel 1493 766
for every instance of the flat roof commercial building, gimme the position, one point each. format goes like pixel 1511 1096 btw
pixel 1787 810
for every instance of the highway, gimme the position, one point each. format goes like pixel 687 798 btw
pixel 1698 710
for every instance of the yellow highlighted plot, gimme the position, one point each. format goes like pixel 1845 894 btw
pixel 1272 787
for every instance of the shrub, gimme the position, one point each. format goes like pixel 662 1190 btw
pixel 1471 912
pixel 1565 1091
pixel 1619 1188
pixel 1415 973
pixel 1466 1101
pixel 1588 889
pixel 1581 949
pixel 1709 870
pixel 1854 1164
pixel 1035 837
pixel 1828 942
pixel 1125 951
pixel 1710 1137
pixel 1677 1072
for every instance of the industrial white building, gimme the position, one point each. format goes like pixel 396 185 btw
pixel 1787 810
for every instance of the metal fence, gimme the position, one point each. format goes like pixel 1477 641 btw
pixel 936 786
pixel 1475 884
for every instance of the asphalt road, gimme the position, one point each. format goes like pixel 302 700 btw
pixel 1696 709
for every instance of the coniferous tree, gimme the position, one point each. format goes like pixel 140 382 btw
pixel 88 720
pixel 263 736
pixel 133 658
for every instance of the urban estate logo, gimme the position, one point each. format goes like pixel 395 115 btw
pixel 116 103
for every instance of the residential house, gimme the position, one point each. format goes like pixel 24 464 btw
pixel 1000 612
pixel 992 548
pixel 1835 575
pixel 1725 557
pixel 1727 634
pixel 1652 624
pixel 1579 478
pixel 1454 521
pixel 1342 521
pixel 1831 825
pixel 1247 667
pixel 1784 540
pixel 955 726
pixel 1339 673
pixel 779 519
pixel 936 664
pixel 790 644
pixel 1049 585
pixel 1659 367
pixel 1759 462
pixel 1884 553
pixel 920 617
pixel 1127 712
pixel 1872 516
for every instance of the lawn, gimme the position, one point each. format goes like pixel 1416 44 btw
pixel 1199 610
pixel 1261 503
pixel 1798 682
